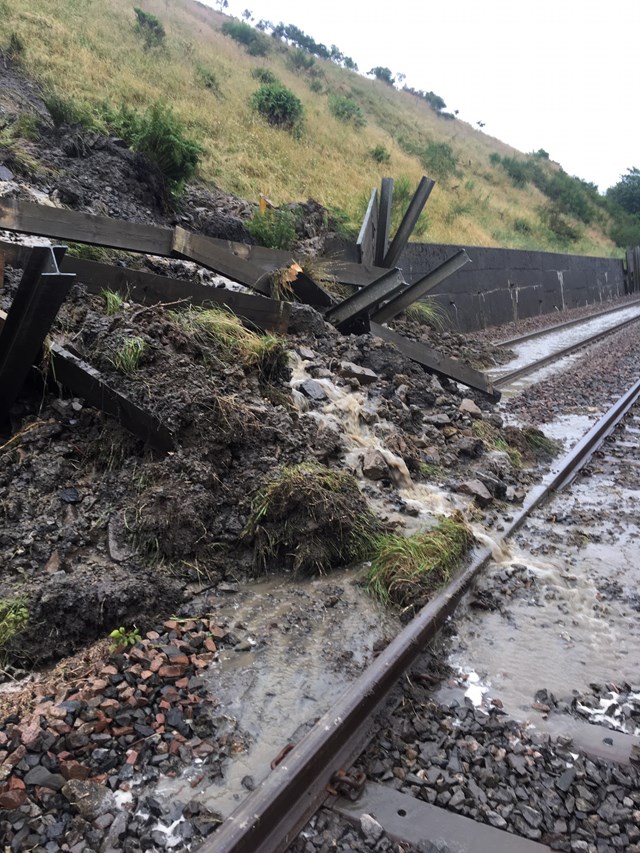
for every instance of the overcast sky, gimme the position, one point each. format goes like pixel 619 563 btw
pixel 554 74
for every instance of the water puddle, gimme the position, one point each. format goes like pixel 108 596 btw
pixel 308 641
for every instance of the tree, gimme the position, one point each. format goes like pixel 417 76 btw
pixel 383 74
pixel 247 15
pixel 626 192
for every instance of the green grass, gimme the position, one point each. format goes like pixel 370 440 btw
pixel 14 618
pixel 113 302
pixel 428 313
pixel 405 569
pixel 234 342
pixel 127 358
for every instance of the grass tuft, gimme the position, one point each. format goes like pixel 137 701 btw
pixel 113 302
pixel 406 569
pixel 266 353
pixel 428 313
pixel 128 356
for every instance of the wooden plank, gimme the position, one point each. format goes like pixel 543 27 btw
pixel 365 301
pixel 409 221
pixel 202 250
pixel 366 242
pixel 384 220
pixel 148 289
pixel 86 382
pixel 41 292
pixel 60 224
pixel 437 363
pixel 419 288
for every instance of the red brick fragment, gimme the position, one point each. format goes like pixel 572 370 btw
pixel 13 799
pixel 210 645
pixel 132 756
pixel 74 770
pixel 169 671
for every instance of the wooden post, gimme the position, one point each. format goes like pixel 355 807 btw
pixel 408 296
pixel 366 242
pixel 409 221
pixel 365 301
pixel 40 294
pixel 384 220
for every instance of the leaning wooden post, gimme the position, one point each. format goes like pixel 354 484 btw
pixel 409 222
pixel 410 294
pixel 384 220
pixel 41 292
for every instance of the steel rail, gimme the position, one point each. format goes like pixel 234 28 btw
pixel 566 325
pixel 507 378
pixel 271 816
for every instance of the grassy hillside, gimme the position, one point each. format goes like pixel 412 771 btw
pixel 90 53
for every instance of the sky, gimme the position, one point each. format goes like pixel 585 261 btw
pixel 552 74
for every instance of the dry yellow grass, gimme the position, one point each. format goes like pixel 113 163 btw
pixel 89 51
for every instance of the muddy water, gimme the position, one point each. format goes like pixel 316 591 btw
pixel 307 642
pixel 536 348
pixel 578 622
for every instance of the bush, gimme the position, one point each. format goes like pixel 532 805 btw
pixel 161 137
pixel 380 154
pixel 316 86
pixel 626 193
pixel 278 105
pixel 625 230
pixel 495 159
pixel 517 170
pixel 562 230
pixel 438 157
pixel 264 75
pixel 274 229
pixel 149 27
pixel 347 110
pixel 300 60
pixel 255 42
pixel 522 226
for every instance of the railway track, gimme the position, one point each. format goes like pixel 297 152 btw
pixel 538 349
pixel 272 815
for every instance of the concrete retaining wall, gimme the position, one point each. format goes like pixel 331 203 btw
pixel 501 285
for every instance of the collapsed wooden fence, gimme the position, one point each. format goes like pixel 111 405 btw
pixel 381 292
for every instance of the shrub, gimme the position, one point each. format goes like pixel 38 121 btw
pixel 278 105
pixel 522 226
pixel 625 229
pixel 347 110
pixel 495 159
pixel 274 229
pixel 316 86
pixel 264 75
pixel 380 154
pixel 438 157
pixel 161 137
pixel 517 170
pixel 300 60
pixel 255 42
pixel 562 230
pixel 149 27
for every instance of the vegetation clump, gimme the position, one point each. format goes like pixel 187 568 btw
pixel 149 27
pixel 128 356
pixel 264 75
pixel 255 42
pixel 380 154
pixel 113 302
pixel 347 110
pixel 310 519
pixel 266 353
pixel 162 138
pixel 428 313
pixel 14 617
pixel 273 228
pixel 439 159
pixel 407 570
pixel 278 105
